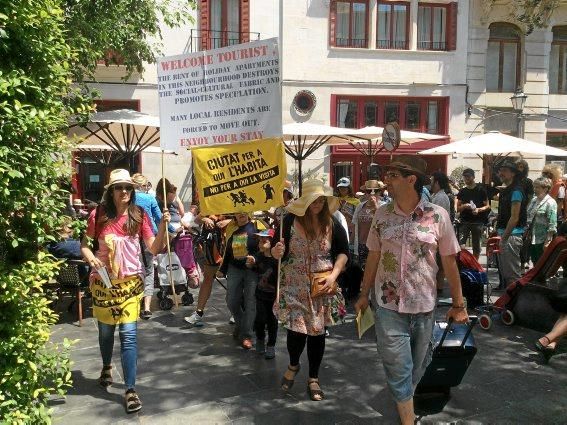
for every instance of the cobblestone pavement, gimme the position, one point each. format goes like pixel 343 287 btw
pixel 202 376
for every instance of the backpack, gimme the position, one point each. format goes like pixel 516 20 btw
pixel 183 247
pixel 210 242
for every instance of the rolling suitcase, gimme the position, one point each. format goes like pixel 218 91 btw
pixel 454 351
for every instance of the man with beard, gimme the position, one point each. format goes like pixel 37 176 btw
pixel 404 238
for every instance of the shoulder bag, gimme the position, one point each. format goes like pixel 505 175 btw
pixel 317 280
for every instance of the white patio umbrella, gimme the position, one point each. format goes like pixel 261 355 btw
pixel 494 143
pixel 117 135
pixel 373 133
pixel 302 139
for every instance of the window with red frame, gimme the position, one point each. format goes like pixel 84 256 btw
pixel 558 61
pixel 392 25
pixel 437 26
pixel 426 115
pixel 503 58
pixel 349 23
pixel 224 23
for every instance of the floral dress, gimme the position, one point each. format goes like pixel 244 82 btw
pixel 296 309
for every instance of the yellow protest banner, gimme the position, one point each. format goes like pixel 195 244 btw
pixel 241 177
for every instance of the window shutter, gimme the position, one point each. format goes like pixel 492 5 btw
pixel 245 21
pixel 332 22
pixel 204 24
pixel 452 11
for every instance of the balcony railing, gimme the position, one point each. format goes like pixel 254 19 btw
pixel 213 39
pixel 351 42
pixel 392 44
pixel 431 45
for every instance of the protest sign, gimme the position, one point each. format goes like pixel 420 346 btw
pixel 241 177
pixel 219 96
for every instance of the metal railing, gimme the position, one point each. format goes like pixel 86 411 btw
pixel 392 44
pixel 431 45
pixel 351 42
pixel 213 39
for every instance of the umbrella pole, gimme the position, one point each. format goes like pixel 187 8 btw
pixel 167 235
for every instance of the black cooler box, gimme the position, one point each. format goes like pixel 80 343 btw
pixel 454 351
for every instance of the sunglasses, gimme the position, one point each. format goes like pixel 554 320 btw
pixel 120 188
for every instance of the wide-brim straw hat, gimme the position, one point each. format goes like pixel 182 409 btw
pixel 313 189
pixel 408 163
pixel 119 176
pixel 373 185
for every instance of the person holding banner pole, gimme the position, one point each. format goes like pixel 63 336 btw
pixel 117 227
pixel 314 251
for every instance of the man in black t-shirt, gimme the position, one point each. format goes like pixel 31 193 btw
pixel 473 206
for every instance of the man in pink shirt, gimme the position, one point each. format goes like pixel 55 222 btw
pixel 404 238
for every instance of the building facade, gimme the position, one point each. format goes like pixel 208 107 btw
pixel 504 57
pixel 441 67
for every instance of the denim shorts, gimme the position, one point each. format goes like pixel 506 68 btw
pixel 405 343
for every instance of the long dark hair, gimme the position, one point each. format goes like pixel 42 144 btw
pixel 325 222
pixel 169 188
pixel 134 221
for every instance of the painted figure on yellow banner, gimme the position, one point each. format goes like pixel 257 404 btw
pixel 117 228
pixel 235 178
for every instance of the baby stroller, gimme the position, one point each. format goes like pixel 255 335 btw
pixel 185 272
pixel 487 311
pixel 526 299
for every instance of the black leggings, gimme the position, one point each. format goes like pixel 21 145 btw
pixel 315 350
pixel 265 317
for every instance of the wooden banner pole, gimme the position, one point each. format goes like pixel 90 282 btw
pixel 170 276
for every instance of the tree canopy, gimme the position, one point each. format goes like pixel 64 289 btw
pixel 48 50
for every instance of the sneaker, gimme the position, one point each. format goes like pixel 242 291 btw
pixel 146 314
pixel 195 319
pixel 270 352
pixel 231 321
pixel 260 346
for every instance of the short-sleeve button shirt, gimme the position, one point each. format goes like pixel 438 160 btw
pixel 405 279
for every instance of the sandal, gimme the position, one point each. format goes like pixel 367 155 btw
pixel 133 403
pixel 545 350
pixel 105 379
pixel 316 394
pixel 286 384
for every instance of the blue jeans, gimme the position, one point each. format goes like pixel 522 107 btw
pixel 128 348
pixel 241 285
pixel 405 344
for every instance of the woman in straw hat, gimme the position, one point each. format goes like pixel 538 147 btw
pixel 314 241
pixel 117 226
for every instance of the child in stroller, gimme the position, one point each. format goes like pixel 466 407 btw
pixel 185 270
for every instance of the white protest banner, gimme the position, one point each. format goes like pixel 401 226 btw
pixel 217 96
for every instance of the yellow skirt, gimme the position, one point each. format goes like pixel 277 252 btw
pixel 119 304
